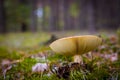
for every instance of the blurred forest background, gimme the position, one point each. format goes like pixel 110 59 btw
pixel 59 15
pixel 27 27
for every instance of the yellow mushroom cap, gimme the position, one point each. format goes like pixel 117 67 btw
pixel 76 44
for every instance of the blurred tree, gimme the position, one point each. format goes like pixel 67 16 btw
pixel 74 13
pixel 91 15
pixel 60 14
pixel 67 18
pixel 23 1
pixel 82 14
pixel 107 15
pixel 2 17
pixel 46 14
pixel 17 12
pixel 43 3
pixel 23 27
pixel 33 22
pixel 87 15
pixel 54 17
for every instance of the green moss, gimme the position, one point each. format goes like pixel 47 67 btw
pixel 13 44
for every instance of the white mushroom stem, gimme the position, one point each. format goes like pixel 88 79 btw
pixel 78 59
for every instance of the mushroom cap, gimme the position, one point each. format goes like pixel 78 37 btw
pixel 76 44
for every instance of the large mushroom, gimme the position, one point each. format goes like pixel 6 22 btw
pixel 76 45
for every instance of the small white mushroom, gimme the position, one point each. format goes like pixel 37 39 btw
pixel 40 67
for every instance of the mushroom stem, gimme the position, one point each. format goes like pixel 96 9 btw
pixel 77 59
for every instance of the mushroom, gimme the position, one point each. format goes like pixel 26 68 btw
pixel 76 45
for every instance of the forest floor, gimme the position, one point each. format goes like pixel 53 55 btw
pixel 26 56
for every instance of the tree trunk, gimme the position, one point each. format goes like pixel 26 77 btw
pixel 54 15
pixel 45 18
pixel 91 16
pixel 108 14
pixel 70 18
pixel 67 17
pixel 117 14
pixel 113 16
pixel 2 17
pixel 61 15
pixel 76 18
pixel 82 14
pixel 33 26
